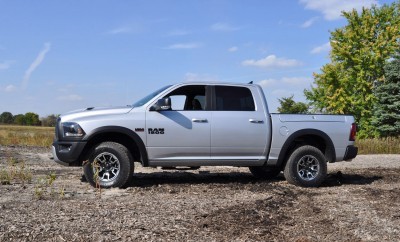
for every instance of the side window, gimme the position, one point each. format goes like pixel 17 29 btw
pixel 229 98
pixel 199 102
pixel 178 102
pixel 191 97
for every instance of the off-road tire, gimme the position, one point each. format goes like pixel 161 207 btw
pixel 110 165
pixel 265 172
pixel 306 167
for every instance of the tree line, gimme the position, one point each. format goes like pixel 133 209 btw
pixel 29 119
pixel 363 76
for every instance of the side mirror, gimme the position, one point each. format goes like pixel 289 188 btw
pixel 163 104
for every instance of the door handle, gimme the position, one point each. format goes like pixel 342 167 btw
pixel 256 121
pixel 199 120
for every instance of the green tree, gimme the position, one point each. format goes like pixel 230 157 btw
pixel 359 52
pixel 19 119
pixel 50 121
pixel 32 119
pixel 6 118
pixel 288 105
pixel 387 111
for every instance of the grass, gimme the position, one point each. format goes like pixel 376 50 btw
pixel 378 146
pixel 15 171
pixel 26 135
pixel 44 188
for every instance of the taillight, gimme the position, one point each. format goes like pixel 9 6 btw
pixel 353 132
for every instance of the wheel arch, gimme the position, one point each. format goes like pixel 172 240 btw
pixel 117 134
pixel 313 137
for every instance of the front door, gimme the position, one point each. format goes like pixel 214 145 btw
pixel 182 134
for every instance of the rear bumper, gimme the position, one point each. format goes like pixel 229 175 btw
pixel 351 153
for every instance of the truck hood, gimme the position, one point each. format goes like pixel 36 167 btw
pixel 87 112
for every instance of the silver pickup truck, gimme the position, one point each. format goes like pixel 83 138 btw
pixel 202 124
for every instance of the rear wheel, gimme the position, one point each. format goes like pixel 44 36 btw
pixel 306 167
pixel 264 172
pixel 110 165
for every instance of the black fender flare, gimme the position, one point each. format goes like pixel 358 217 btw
pixel 329 153
pixel 125 131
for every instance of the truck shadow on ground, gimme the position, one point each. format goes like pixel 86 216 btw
pixel 181 178
pixel 338 179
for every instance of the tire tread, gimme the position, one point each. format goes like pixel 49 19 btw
pixel 290 173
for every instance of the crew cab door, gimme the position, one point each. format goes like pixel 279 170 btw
pixel 239 129
pixel 181 134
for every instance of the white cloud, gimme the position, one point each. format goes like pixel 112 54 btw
pixel 224 27
pixel 35 64
pixel 267 83
pixel 10 88
pixel 71 97
pixel 309 22
pixel 322 48
pixel 272 61
pixel 292 81
pixel 183 46
pixel 6 64
pixel 195 77
pixel 331 9
pixel 296 80
pixel 233 49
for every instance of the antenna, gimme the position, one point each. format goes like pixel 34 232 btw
pixel 251 82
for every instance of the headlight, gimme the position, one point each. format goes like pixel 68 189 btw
pixel 72 130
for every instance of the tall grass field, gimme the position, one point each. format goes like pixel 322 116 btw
pixel 43 137
pixel 26 135
pixel 389 145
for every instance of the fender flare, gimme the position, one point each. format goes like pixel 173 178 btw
pixel 329 153
pixel 125 131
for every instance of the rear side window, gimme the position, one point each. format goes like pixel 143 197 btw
pixel 234 99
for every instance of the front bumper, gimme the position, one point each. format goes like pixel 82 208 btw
pixel 67 153
pixel 351 152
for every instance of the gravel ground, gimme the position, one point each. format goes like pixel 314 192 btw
pixel 359 201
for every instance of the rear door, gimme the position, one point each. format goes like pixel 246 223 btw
pixel 239 127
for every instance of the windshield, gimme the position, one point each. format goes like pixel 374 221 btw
pixel 147 98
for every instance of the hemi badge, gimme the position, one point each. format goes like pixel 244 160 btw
pixel 139 129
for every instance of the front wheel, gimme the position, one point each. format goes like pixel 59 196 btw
pixel 306 167
pixel 110 165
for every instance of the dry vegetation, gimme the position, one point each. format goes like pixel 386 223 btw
pixel 26 135
pixel 379 146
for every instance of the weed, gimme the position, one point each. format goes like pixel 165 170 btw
pixel 39 192
pixel 96 178
pixel 15 171
pixel 62 192
pixel 5 178
pixel 44 187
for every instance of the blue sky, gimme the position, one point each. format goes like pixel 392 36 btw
pixel 57 56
